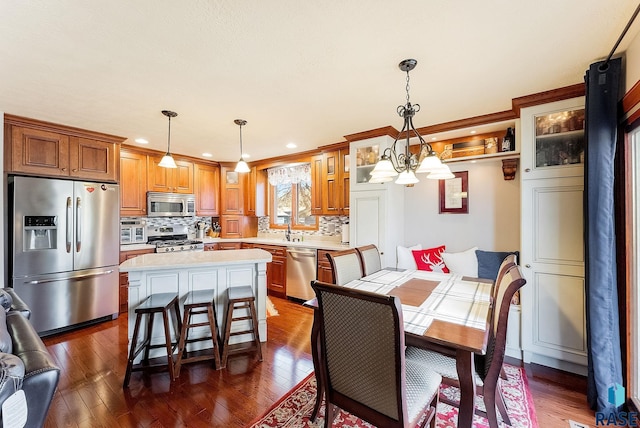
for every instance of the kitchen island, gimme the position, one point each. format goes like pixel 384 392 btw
pixel 191 270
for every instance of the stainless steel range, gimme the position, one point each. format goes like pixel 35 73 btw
pixel 168 239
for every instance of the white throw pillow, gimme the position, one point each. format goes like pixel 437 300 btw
pixel 405 258
pixel 463 263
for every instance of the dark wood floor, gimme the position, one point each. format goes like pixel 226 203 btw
pixel 93 362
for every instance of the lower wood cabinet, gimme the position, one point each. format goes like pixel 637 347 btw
pixel 276 270
pixel 228 245
pixel 216 246
pixel 324 267
pixel 124 278
pixel 238 226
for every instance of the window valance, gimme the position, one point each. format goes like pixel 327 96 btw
pixel 290 174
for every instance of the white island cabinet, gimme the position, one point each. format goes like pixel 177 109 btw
pixel 188 271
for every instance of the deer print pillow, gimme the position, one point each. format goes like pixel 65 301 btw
pixel 430 259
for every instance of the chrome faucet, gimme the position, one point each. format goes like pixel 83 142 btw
pixel 287 234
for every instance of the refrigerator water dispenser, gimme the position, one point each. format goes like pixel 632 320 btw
pixel 40 233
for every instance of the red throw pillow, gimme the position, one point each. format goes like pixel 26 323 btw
pixel 430 259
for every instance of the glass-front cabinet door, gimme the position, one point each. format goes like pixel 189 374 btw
pixel 553 139
pixel 364 155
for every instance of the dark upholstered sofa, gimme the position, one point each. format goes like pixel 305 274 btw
pixel 40 374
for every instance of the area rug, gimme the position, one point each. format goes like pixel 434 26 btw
pixel 271 310
pixel 294 409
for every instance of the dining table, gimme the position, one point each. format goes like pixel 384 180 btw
pixel 443 311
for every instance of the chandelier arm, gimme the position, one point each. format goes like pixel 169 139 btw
pixel 398 160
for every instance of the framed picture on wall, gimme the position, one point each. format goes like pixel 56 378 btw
pixel 454 194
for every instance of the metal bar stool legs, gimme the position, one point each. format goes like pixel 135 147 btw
pixel 198 303
pixel 163 303
pixel 242 296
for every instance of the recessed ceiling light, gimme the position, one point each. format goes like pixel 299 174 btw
pixel 207 155
pixel 291 146
pixel 433 138
pixel 141 141
pixel 472 132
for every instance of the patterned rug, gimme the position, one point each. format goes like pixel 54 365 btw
pixel 294 408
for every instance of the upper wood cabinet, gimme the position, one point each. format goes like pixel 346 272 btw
pixel 207 189
pixel 256 192
pixel 133 183
pixel 330 183
pixel 232 191
pixel 46 149
pixel 176 180
pixel 317 188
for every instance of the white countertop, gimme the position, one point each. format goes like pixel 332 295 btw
pixel 194 259
pixel 307 243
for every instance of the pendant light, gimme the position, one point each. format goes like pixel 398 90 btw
pixel 167 160
pixel 242 165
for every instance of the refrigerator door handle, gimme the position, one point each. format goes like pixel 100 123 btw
pixel 68 225
pixel 78 224
pixel 91 275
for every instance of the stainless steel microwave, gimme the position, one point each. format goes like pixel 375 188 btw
pixel 160 204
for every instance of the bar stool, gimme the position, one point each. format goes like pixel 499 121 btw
pixel 243 296
pixel 156 303
pixel 197 303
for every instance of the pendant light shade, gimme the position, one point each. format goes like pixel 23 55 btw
pixel 242 165
pixel 407 177
pixel 441 173
pixel 167 160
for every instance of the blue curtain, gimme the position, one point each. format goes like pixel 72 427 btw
pixel 603 333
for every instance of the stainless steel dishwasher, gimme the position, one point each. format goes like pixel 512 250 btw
pixel 301 270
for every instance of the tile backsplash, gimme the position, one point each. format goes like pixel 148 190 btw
pixel 327 225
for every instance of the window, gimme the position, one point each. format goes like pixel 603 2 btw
pixel 290 197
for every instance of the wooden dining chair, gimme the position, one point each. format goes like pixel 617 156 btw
pixel 345 266
pixel 369 258
pixel 487 379
pixel 363 363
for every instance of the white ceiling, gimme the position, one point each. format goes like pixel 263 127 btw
pixel 307 72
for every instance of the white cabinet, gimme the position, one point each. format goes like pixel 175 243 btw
pixel 364 155
pixel 376 213
pixel 552 256
pixel 552 137
pixel 376 218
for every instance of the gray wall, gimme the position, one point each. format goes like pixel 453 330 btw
pixel 493 222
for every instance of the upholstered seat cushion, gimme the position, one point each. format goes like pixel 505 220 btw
pixel 443 365
pixel 422 385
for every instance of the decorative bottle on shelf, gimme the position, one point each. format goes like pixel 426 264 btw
pixel 509 141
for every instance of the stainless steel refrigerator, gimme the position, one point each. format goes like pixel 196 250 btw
pixel 65 242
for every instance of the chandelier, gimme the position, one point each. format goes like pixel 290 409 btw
pixel 398 160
